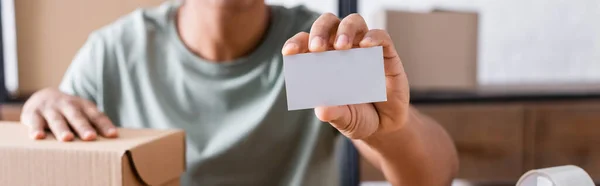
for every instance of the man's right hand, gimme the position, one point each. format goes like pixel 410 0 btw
pixel 65 116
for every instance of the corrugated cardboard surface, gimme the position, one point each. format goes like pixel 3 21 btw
pixel 438 49
pixel 10 112
pixel 137 157
pixel 50 32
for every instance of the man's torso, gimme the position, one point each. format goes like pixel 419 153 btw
pixel 235 116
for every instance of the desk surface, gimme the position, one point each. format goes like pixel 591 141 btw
pixel 507 93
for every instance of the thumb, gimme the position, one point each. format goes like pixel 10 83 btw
pixel 339 116
pixel 353 121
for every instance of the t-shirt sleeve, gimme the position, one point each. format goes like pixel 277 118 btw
pixel 82 78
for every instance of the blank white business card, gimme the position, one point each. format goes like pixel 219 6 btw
pixel 334 78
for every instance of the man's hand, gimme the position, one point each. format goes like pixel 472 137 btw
pixel 65 116
pixel 358 121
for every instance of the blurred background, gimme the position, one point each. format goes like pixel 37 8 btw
pixel 515 82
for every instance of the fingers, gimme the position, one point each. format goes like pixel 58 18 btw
pixel 36 124
pixel 328 32
pixel 321 31
pixel 58 125
pixel 377 37
pixel 78 121
pixel 350 32
pixel 350 120
pixel 339 116
pixel 65 114
pixel 102 123
pixel 296 45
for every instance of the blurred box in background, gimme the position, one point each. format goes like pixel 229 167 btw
pixel 438 48
pixel 49 34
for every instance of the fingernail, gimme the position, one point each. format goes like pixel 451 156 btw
pixel 37 135
pixel 289 47
pixel 367 41
pixel 316 43
pixel 66 136
pixel 342 40
pixel 89 135
pixel 111 132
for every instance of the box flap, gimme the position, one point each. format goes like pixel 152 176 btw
pixel 161 160
pixel 14 134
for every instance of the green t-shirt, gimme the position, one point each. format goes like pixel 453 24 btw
pixel 239 132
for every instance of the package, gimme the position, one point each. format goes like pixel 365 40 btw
pixel 136 157
pixel 438 48
pixel 51 32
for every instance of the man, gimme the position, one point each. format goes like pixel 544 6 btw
pixel 214 69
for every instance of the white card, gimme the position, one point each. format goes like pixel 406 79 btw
pixel 334 78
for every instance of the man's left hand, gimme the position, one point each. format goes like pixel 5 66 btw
pixel 358 121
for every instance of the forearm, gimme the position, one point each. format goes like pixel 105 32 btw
pixel 420 153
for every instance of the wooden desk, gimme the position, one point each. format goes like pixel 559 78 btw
pixel 502 132
pixel 501 135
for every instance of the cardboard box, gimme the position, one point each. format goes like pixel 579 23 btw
pixel 438 48
pixel 137 157
pixel 10 112
pixel 49 34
